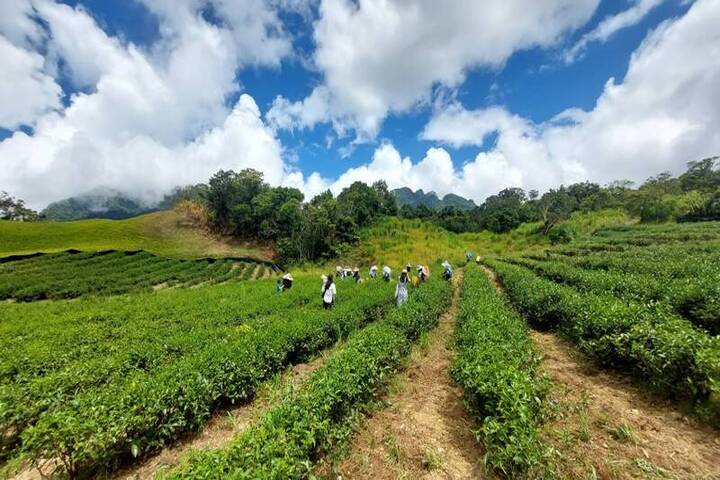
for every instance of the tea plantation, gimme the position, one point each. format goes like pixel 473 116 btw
pixel 110 356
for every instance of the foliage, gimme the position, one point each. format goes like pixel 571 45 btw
pixel 702 175
pixel 242 204
pixel 70 275
pixel 497 368
pixel 648 340
pixel 12 208
pixel 193 193
pixel 505 211
pixel 319 417
pixel 693 297
pixel 153 404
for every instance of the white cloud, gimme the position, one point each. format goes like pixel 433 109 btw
pixel 384 56
pixel 610 26
pixel 664 114
pixel 26 92
pixel 152 119
pixel 17 24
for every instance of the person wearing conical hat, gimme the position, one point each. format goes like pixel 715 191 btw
pixel 387 273
pixel 373 271
pixel 287 281
pixel 401 289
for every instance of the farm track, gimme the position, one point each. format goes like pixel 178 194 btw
pixel 220 429
pixel 224 424
pixel 425 431
pixel 603 426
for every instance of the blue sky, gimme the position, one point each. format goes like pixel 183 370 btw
pixel 472 120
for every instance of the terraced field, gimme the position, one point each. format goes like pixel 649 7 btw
pixel 73 274
pixel 644 300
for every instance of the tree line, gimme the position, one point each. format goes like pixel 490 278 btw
pixel 242 204
pixel 692 196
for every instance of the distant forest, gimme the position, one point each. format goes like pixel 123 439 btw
pixel 244 205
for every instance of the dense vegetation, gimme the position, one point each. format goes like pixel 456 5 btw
pixel 111 397
pixel 497 367
pixel 316 419
pixel 72 274
pixel 243 204
pixel 693 196
pixel 649 310
pixel 12 208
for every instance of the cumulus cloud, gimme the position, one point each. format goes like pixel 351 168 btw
pixel 661 116
pixel 610 26
pixel 26 92
pixel 146 119
pixel 385 56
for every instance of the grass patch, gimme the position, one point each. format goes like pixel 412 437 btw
pixel 162 233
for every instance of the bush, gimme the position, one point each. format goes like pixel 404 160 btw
pixel 496 366
pixel 316 419
pixel 648 340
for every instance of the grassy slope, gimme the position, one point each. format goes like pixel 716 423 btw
pixel 399 241
pixel 161 233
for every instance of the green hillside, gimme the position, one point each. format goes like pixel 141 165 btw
pixel 162 233
pixel 398 241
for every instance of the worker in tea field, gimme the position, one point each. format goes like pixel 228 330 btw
pixel 447 272
pixel 387 273
pixel 469 256
pixel 423 273
pixel 287 281
pixel 338 271
pixel 373 271
pixel 401 289
pixel 356 275
pixel 278 286
pixel 329 292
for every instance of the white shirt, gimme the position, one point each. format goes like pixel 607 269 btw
pixel 329 293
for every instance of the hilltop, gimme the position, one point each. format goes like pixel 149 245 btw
pixel 164 233
pixel 396 241
pixel 405 196
pixel 97 203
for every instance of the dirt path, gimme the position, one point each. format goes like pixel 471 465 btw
pixel 425 432
pixel 604 426
pixel 222 427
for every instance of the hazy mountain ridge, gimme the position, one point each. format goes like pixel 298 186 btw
pixel 98 203
pixel 405 196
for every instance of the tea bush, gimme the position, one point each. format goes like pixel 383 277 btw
pixel 650 341
pixel 312 421
pixel 497 367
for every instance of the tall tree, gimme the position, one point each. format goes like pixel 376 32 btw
pixel 12 208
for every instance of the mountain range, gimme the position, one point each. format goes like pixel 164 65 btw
pixel 97 203
pixel 405 196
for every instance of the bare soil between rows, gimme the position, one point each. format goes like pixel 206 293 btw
pixel 604 426
pixel 425 431
pixel 219 430
pixel 224 425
